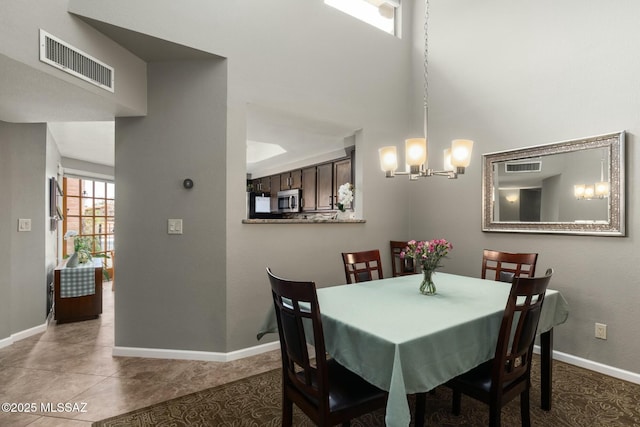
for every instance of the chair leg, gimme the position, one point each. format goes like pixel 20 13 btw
pixel 421 403
pixel 524 409
pixel 287 412
pixel 494 416
pixel 457 397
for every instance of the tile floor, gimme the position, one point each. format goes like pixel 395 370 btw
pixel 73 364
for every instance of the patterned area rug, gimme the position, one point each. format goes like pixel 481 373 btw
pixel 581 398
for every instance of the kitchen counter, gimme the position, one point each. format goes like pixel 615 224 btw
pixel 304 221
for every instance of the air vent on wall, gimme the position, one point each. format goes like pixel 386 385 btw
pixel 62 55
pixel 521 167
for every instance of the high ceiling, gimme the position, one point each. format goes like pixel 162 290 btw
pixel 82 121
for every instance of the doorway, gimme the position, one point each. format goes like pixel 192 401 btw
pixel 89 211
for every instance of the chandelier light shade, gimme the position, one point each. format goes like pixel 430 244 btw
pixel 461 152
pixel 602 189
pixel 456 158
pixel 388 159
pixel 416 151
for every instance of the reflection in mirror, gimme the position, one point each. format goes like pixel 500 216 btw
pixel 572 187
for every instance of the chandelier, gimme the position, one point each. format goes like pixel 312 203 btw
pixel 456 158
pixel 599 190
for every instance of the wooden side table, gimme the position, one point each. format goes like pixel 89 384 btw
pixel 73 309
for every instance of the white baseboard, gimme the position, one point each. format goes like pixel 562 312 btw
pixel 6 342
pixel 621 374
pixel 611 371
pixel 158 353
pixel 22 335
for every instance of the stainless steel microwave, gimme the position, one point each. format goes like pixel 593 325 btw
pixel 289 200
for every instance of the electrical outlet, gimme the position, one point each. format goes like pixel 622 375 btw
pixel 601 331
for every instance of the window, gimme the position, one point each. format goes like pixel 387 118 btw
pixel 379 13
pixel 89 208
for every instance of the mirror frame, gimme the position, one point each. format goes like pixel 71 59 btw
pixel 613 142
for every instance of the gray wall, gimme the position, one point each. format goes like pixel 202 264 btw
pixel 171 288
pixel 551 198
pixel 52 229
pixel 29 155
pixel 24 195
pixel 6 231
pixel 298 66
pixel 20 22
pixel 566 70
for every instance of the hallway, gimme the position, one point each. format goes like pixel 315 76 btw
pixel 73 364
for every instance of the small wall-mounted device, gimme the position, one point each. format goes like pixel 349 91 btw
pixel 174 226
pixel 188 183
pixel 24 224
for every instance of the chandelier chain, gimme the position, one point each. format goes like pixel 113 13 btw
pixel 426 66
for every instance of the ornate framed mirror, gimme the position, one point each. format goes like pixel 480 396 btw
pixel 569 187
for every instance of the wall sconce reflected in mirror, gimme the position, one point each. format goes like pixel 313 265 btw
pixel 512 198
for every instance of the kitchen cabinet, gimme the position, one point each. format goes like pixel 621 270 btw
pixel 330 176
pixel 289 180
pixel 324 189
pixel 319 184
pixel 262 185
pixel 341 175
pixel 275 184
pixel 308 176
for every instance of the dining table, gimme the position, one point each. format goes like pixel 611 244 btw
pixel 405 342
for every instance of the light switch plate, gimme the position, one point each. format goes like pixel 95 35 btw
pixel 174 226
pixel 24 224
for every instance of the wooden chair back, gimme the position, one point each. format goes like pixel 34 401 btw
pixel 508 374
pixel 400 266
pixel 518 330
pixel 362 266
pixel 296 303
pixel 325 391
pixel 504 266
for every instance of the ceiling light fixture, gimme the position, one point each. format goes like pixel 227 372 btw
pixel 456 158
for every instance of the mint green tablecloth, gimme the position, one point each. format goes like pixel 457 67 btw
pixel 405 342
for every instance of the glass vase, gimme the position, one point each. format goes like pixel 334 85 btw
pixel 427 287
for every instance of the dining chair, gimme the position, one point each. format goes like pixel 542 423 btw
pixel 401 266
pixel 503 266
pixel 508 374
pixel 362 266
pixel 324 390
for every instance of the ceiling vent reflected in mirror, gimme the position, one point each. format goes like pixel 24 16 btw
pixel 519 167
